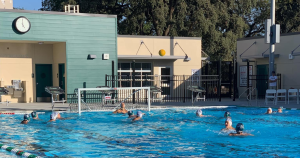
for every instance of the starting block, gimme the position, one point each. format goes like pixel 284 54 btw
pixel 199 91
pixel 55 91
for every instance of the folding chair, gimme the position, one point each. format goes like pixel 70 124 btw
pixel 270 94
pixel 292 93
pixel 280 91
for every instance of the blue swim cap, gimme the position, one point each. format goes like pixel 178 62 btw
pixel 227 114
pixel 33 114
pixel 239 127
pixel 26 117
pixel 130 113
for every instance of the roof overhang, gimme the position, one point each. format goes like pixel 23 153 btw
pixel 259 56
pixel 148 57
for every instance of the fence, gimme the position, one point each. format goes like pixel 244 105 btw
pixel 261 83
pixel 174 87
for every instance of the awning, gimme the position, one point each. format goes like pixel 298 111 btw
pixel 259 56
pixel 155 57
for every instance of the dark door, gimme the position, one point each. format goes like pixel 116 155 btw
pixel 43 79
pixel 61 74
pixel 262 79
pixel 165 81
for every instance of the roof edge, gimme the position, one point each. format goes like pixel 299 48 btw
pixel 58 13
pixel 162 37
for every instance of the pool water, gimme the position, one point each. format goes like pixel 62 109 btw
pixel 161 133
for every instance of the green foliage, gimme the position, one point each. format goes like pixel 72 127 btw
pixel 219 22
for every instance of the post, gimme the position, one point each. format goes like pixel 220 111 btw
pixel 84 93
pixel 113 79
pixel 233 78
pixel 79 101
pixel 248 78
pixel 230 78
pixel 133 81
pixel 184 88
pixel 220 79
pixel 206 78
pixel 272 44
pixel 105 80
pixel 149 103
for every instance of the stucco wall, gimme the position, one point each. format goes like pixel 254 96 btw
pixel 129 45
pixel 288 68
pixel 6 4
pixel 59 57
pixel 17 62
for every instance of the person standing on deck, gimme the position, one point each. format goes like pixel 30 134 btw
pixel 273 80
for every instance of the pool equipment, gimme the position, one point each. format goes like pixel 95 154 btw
pixel 155 91
pixel 18 152
pixel 92 98
pixel 55 91
pixel 4 91
pixel 199 90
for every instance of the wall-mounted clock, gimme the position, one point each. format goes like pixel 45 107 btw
pixel 22 24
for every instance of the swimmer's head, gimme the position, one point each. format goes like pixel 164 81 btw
pixel 54 115
pixel 199 112
pixel 239 128
pixel 27 117
pixel 228 122
pixel 122 105
pixel 269 111
pixel 130 113
pixel 227 114
pixel 139 114
pixel 33 115
pixel 280 109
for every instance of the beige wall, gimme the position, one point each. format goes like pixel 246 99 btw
pixel 288 68
pixel 129 45
pixel 6 4
pixel 59 57
pixel 17 62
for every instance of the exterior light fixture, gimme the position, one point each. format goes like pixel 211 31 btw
pixel 41 42
pixel 186 56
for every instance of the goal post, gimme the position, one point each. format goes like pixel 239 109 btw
pixel 111 98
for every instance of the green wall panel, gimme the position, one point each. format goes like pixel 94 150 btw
pixel 83 35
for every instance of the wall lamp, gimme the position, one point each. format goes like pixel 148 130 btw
pixel 186 56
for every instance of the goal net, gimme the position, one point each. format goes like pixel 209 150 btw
pixel 109 99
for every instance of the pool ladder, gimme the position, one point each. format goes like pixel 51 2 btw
pixel 249 96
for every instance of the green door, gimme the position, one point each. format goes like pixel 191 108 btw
pixel 43 74
pixel 262 79
pixel 61 74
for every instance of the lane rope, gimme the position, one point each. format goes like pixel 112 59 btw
pixel 18 152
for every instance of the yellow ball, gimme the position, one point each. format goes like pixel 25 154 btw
pixel 162 52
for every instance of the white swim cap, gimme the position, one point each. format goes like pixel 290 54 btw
pixel 140 114
pixel 229 121
pixel 54 115
pixel 199 112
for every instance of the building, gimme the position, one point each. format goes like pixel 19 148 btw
pixel 257 52
pixel 52 49
pixel 6 4
pixel 70 50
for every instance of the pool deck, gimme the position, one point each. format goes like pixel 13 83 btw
pixel 29 107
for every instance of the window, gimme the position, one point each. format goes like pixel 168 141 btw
pixel 141 70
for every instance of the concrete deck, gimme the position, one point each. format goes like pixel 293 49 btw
pixel 29 107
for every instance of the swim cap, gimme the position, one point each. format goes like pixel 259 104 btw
pixel 270 109
pixel 199 112
pixel 229 121
pixel 281 108
pixel 33 114
pixel 130 113
pixel 53 116
pixel 239 127
pixel 227 114
pixel 139 114
pixel 27 117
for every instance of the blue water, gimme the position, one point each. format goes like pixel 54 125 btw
pixel 161 133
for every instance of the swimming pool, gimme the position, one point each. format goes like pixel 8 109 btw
pixel 165 133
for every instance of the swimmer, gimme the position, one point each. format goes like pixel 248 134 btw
pixel 227 114
pixel 54 116
pixel 131 115
pixel 26 119
pixel 122 110
pixel 138 116
pixel 34 115
pixel 239 131
pixel 269 111
pixel 199 113
pixel 228 125
pixel 279 110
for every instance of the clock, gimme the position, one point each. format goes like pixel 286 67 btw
pixel 22 24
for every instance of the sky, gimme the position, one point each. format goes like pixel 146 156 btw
pixel 28 4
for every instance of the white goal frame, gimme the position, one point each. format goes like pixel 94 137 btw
pixel 95 89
